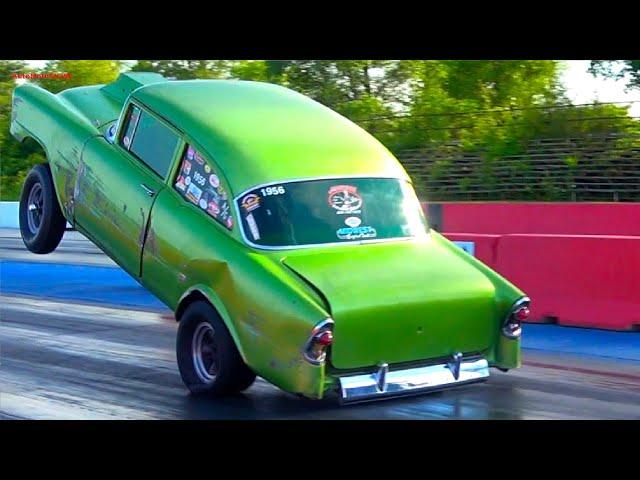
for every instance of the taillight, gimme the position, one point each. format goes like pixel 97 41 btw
pixel 522 313
pixel 315 350
pixel 512 326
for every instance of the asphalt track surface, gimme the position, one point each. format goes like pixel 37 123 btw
pixel 81 340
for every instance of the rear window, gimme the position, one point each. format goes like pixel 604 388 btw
pixel 330 211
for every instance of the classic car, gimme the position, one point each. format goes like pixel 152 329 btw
pixel 287 240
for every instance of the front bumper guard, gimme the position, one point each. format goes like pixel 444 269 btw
pixel 411 381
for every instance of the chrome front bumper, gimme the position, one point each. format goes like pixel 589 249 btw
pixel 385 383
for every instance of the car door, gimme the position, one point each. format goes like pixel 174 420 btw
pixel 190 229
pixel 118 183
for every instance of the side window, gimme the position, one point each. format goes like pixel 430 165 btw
pixel 198 183
pixel 149 140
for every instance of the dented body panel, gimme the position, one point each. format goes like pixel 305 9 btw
pixel 414 300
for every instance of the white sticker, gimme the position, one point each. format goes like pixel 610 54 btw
pixel 194 193
pixel 353 221
pixel 203 204
pixel 214 180
pixel 253 227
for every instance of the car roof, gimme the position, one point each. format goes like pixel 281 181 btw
pixel 260 133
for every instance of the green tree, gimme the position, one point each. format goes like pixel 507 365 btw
pixel 471 101
pixel 10 167
pixel 186 69
pixel 618 69
pixel 82 72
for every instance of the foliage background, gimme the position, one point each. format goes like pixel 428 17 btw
pixel 446 109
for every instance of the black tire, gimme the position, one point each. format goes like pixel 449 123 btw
pixel 42 224
pixel 202 330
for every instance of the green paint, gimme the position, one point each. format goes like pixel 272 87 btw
pixel 401 301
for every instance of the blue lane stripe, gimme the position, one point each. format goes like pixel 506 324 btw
pixel 108 285
pixel 95 284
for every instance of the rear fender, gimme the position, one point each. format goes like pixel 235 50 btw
pixel 216 302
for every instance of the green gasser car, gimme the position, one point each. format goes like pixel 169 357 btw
pixel 288 241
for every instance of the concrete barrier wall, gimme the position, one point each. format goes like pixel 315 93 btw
pixel 576 280
pixel 539 217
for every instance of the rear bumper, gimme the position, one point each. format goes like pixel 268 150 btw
pixel 386 384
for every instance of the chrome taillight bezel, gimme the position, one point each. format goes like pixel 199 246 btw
pixel 510 320
pixel 325 325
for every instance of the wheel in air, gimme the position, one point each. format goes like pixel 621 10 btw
pixel 42 223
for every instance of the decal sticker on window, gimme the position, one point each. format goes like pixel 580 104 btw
pixel 180 185
pixel 352 221
pixel 345 199
pixel 202 185
pixel 199 178
pixel 194 193
pixel 279 190
pixel 214 180
pixel 253 227
pixel 356 233
pixel 213 209
pixel 250 202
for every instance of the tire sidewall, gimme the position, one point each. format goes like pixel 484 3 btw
pixel 228 355
pixel 52 224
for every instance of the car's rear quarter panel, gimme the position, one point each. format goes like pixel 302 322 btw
pixel 269 314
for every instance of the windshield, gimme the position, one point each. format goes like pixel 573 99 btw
pixel 330 211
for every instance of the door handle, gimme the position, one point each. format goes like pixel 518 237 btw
pixel 150 192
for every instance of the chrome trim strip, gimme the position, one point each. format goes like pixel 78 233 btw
pixel 356 388
pixel 313 245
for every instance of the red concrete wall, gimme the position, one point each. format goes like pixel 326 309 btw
pixel 564 218
pixel 579 280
